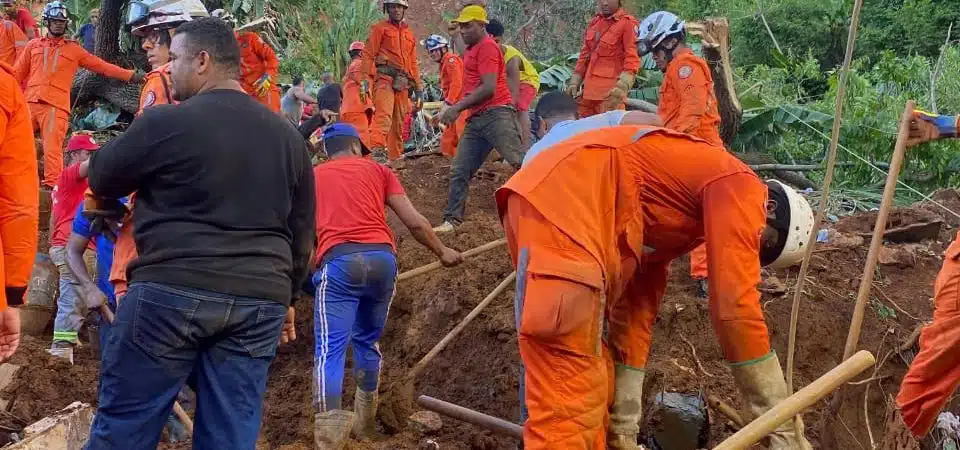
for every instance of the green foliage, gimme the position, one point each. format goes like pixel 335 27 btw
pixel 319 42
pixel 543 29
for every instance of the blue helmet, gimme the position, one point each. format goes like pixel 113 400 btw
pixel 435 42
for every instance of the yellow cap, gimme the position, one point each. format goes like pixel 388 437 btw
pixel 472 13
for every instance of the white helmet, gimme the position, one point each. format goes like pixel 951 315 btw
pixel 223 15
pixel 403 3
pixel 655 28
pixel 56 10
pixel 148 15
pixel 435 42
pixel 794 222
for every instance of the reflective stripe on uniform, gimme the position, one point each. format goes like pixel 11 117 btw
pixel 56 58
pixel 65 336
pixel 321 381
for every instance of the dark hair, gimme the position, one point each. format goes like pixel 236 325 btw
pixel 495 28
pixel 355 53
pixel 556 104
pixel 338 144
pixel 215 37
pixel 297 79
pixel 163 37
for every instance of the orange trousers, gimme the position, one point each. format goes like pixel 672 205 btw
pixel 587 108
pixel 568 374
pixel 360 121
pixel 52 124
pixel 451 136
pixel 392 108
pixel 698 262
pixel 935 373
pixel 733 216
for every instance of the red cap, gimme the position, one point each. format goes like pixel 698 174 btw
pixel 82 142
pixel 357 45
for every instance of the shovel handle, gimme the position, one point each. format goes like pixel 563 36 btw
pixel 436 264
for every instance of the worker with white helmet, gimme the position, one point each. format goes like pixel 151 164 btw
pixel 357 106
pixel 451 83
pixel 592 261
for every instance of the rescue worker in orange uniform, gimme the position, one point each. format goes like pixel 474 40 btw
pixel 688 102
pixel 390 58
pixel 608 62
pixel 357 107
pixel 46 67
pixel 19 207
pixel 600 251
pixel 259 65
pixel 12 39
pixel 451 83
pixel 934 374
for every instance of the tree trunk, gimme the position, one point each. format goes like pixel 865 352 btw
pixel 796 179
pixel 715 33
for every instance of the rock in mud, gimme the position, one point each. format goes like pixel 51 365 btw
pixel 425 422
pixel 679 421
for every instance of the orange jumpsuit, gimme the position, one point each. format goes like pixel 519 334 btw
pixel 12 41
pixel 156 88
pixel 609 49
pixel 390 47
pixel 47 66
pixel 589 248
pixel 256 59
pixel 688 104
pixel 451 82
pixel 19 203
pixel 356 109
pixel 935 373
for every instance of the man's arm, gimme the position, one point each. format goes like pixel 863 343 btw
pixel 115 170
pixel 692 86
pixel 18 194
pixel 641 118
pixel 30 24
pixel 302 221
pixel 21 69
pixel 302 95
pixel 631 57
pixel 418 225
pixel 93 63
pixel 454 67
pixel 76 245
pixel 271 65
pixel 370 52
pixel 513 78
pixel 583 60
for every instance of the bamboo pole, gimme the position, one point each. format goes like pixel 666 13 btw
pixel 825 195
pixel 796 403
pixel 436 264
pixel 866 282
pixel 494 424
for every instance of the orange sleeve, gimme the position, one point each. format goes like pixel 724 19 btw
pixel 584 59
pixel 453 73
pixel 21 69
pixel 371 50
pixel 691 87
pixel 271 65
pixel 19 204
pixel 153 93
pixel 91 62
pixel 414 68
pixel 631 57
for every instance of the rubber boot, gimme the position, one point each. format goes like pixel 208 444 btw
pixel 762 385
pixel 365 407
pixel 626 409
pixel 703 288
pixel 62 349
pixel 331 429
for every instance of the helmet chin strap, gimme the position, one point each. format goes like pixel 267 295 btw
pixel 667 51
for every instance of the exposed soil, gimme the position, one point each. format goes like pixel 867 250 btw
pixel 479 370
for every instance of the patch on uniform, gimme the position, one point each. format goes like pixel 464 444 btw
pixel 150 100
pixel 452 59
pixel 685 72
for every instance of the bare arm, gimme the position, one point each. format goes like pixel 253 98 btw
pixel 76 245
pixel 302 95
pixel 641 118
pixel 513 78
pixel 488 83
pixel 418 225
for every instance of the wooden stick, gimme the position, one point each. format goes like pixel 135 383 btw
pixel 825 195
pixel 436 264
pixel 417 368
pixel 479 419
pixel 796 403
pixel 866 282
pixel 727 410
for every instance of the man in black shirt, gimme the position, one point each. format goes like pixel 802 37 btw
pixel 224 226
pixel 330 95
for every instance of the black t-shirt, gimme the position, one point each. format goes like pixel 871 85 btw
pixel 225 196
pixel 329 97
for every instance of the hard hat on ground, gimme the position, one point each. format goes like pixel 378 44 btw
pixel 82 141
pixel 357 45
pixel 435 42
pixel 793 219
pixel 472 13
pixel 403 3
pixel 56 10
pixel 655 28
pixel 147 15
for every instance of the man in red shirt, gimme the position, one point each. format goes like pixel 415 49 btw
pixel 67 196
pixel 492 120
pixel 22 17
pixel 355 278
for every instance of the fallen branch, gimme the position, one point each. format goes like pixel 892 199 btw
pixel 695 357
pixel 726 410
pixel 683 367
pixel 868 380
pixel 895 305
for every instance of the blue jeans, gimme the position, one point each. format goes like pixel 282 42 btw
pixel 165 336
pixel 353 297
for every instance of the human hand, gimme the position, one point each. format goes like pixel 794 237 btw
pixel 574 84
pixel 137 77
pixel 263 85
pixel 450 257
pixel 9 332
pixel 449 115
pixel 92 297
pixel 925 127
pixel 289 331
pixel 328 116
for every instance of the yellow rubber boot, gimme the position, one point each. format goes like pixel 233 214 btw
pixel 762 385
pixel 626 409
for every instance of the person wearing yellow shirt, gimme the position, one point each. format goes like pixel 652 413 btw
pixel 522 77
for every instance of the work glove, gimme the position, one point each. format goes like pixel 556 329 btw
pixel 925 127
pixel 263 85
pixel 574 84
pixel 417 97
pixel 364 91
pixel 137 77
pixel 619 92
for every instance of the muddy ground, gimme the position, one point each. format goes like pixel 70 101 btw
pixel 480 369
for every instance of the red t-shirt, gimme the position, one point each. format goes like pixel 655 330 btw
pixel 25 20
pixel 66 198
pixel 351 203
pixel 483 58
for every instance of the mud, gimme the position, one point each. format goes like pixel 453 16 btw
pixel 479 370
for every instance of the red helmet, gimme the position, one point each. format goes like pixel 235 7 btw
pixel 357 45
pixel 82 141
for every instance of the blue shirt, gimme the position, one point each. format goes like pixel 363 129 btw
pixel 88 36
pixel 81 226
pixel 570 128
